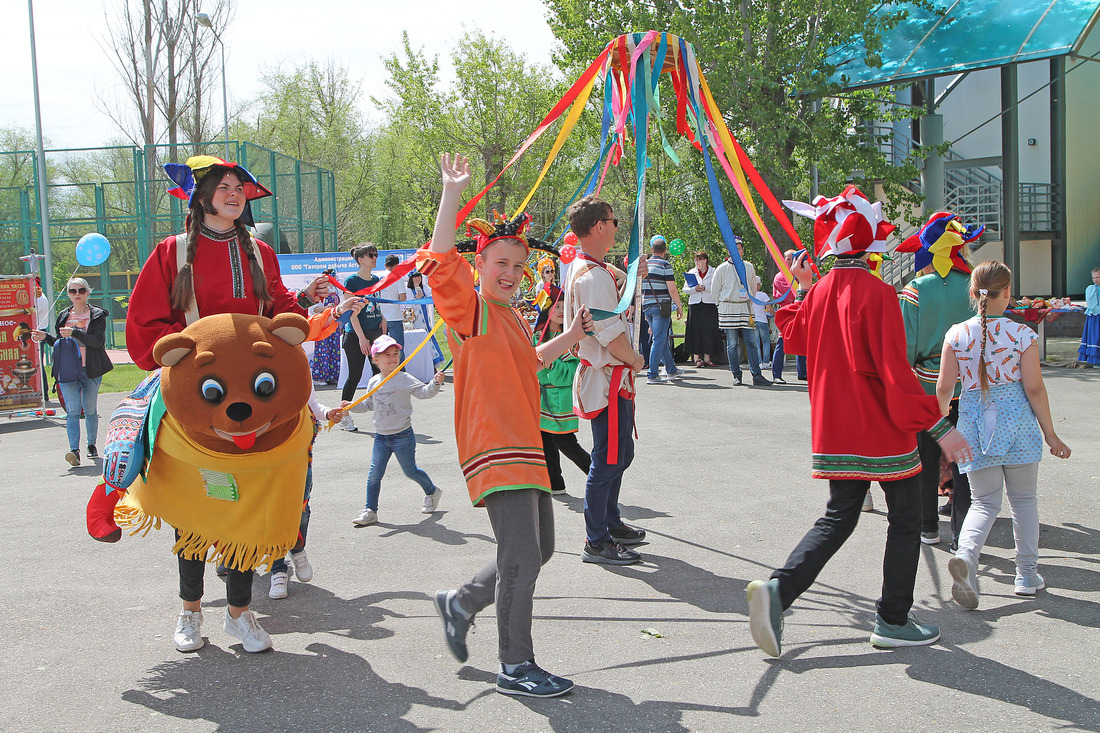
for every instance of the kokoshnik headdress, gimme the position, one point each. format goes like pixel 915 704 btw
pixel 848 224
pixel 187 177
pixel 940 243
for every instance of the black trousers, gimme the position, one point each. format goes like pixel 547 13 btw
pixel 899 562
pixel 565 443
pixel 929 478
pixel 238 584
pixel 356 360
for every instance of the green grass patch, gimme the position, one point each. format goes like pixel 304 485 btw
pixel 123 378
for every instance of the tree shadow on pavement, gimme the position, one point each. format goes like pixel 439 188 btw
pixel 328 690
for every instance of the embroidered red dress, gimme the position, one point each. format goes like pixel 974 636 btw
pixel 866 406
pixel 223 284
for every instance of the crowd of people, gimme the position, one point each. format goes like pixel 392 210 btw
pixel 921 377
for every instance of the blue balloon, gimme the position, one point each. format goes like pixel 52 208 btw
pixel 93 249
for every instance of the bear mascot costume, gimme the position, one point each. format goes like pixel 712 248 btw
pixel 219 448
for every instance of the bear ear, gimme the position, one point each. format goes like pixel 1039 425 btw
pixel 169 350
pixel 290 327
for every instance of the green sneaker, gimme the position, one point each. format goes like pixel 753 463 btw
pixel 766 615
pixel 912 633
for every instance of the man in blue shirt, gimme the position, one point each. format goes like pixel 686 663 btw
pixel 659 298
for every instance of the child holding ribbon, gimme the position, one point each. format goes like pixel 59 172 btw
pixel 497 428
pixel 393 433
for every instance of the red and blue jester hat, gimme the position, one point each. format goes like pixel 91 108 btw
pixel 187 177
pixel 940 243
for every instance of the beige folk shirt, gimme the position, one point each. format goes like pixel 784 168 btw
pixel 593 285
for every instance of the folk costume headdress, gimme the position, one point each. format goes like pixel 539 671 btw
pixel 483 234
pixel 187 177
pixel 846 225
pixel 940 243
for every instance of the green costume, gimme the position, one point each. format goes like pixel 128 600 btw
pixel 929 306
pixel 556 392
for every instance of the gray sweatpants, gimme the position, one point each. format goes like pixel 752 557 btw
pixel 523 523
pixel 1019 483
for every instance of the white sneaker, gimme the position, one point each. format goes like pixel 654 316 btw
pixel 248 630
pixel 278 585
pixel 348 424
pixel 302 568
pixel 964 585
pixel 431 501
pixel 367 516
pixel 188 635
pixel 1026 585
pixel 868 502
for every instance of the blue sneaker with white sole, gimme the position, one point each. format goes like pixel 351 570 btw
pixel 531 680
pixel 1027 585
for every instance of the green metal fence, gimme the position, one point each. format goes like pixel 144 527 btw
pixel 120 192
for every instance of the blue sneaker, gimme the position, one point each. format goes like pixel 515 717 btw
pixel 1026 585
pixel 964 582
pixel 911 633
pixel 455 625
pixel 531 680
pixel 766 615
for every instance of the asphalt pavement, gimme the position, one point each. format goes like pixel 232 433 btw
pixel 721 484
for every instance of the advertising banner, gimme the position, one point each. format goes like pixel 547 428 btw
pixel 20 365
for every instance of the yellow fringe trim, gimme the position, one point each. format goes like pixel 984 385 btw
pixel 195 546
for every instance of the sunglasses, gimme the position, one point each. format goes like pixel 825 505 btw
pixel 77 291
pixel 613 221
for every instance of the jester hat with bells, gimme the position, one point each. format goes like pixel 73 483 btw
pixel 187 177
pixel 940 243
pixel 847 224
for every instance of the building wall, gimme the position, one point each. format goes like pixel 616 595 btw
pixel 1082 198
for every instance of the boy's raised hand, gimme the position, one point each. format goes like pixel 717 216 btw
pixel 456 171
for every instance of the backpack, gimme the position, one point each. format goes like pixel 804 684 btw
pixel 66 360
pixel 127 443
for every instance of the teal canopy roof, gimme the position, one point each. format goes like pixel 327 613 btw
pixel 971 34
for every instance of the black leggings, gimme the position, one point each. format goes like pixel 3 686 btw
pixel 356 359
pixel 566 443
pixel 238 584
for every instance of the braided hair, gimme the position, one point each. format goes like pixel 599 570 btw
pixel 184 287
pixel 988 279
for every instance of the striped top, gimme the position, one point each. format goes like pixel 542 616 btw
pixel 655 284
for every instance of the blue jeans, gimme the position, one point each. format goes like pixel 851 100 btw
pixel 396 330
pixel 747 336
pixel 778 358
pixel 601 493
pixel 764 336
pixel 81 394
pixel 279 566
pixel 660 350
pixel 403 445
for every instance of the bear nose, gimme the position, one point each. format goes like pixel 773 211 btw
pixel 239 411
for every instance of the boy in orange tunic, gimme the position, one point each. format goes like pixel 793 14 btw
pixel 499 442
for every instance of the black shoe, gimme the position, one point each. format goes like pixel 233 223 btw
pixel 779 380
pixel 455 625
pixel 945 510
pixel 625 535
pixel 609 553
pixel 92 452
pixel 737 381
pixel 760 382
pixel 73 457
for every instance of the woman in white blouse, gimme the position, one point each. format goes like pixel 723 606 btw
pixel 703 336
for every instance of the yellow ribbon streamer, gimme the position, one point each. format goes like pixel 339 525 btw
pixel 400 366
pixel 566 128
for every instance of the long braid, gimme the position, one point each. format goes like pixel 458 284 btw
pixel 183 290
pixel 983 377
pixel 259 281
